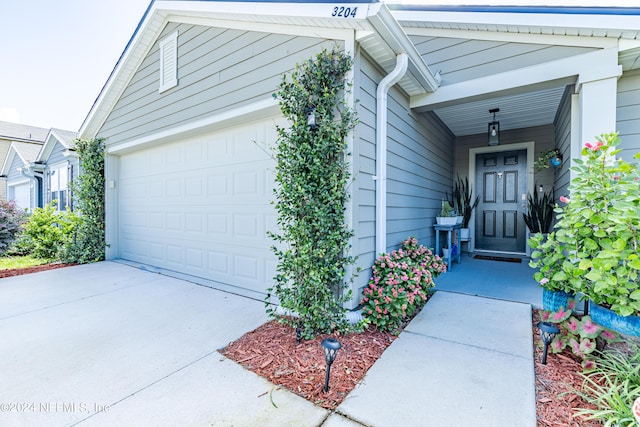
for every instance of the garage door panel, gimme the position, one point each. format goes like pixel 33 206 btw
pixel 202 206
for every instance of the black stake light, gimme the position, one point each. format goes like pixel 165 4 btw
pixel 298 333
pixel 548 331
pixel 311 118
pixel 330 347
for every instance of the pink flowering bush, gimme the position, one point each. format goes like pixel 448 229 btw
pixel 400 284
pixel 596 240
pixel 580 335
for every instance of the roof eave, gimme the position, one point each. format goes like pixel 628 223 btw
pixel 373 16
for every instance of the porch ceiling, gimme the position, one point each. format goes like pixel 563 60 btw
pixel 516 111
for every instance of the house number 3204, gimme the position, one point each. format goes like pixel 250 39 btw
pixel 345 12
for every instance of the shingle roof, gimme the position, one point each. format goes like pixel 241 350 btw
pixel 67 136
pixel 27 151
pixel 18 132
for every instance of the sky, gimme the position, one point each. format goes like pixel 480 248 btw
pixel 57 54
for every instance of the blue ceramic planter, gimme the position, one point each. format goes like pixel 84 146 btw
pixel 553 300
pixel 628 325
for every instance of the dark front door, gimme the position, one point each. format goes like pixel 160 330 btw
pixel 501 178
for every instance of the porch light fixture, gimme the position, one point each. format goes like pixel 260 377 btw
pixel 494 128
pixel 548 331
pixel 330 347
pixel 311 118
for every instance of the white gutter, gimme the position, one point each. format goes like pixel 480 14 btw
pixel 402 61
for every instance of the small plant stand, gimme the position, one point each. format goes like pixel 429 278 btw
pixel 449 229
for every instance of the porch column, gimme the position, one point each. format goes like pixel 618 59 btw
pixel 598 108
pixel 597 91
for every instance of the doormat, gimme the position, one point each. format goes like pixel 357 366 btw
pixel 498 258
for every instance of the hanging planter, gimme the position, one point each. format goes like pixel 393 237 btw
pixel 548 158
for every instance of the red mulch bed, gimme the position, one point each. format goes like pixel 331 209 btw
pixel 18 271
pixel 271 352
pixel 560 375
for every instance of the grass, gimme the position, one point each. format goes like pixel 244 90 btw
pixel 612 388
pixel 11 262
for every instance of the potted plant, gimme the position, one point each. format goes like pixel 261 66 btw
pixel 548 158
pixel 447 214
pixel 548 256
pixel 464 203
pixel 598 229
pixel 539 212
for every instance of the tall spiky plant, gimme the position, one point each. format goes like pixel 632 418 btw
pixel 539 215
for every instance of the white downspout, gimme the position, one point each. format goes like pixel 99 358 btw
pixel 402 61
pixel 31 175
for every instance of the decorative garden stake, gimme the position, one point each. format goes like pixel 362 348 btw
pixel 330 347
pixel 547 332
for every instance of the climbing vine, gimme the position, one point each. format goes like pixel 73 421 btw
pixel 89 243
pixel 311 194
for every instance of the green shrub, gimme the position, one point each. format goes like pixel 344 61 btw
pixel 311 194
pixel 50 230
pixel 11 218
pixel 22 245
pixel 88 244
pixel 400 284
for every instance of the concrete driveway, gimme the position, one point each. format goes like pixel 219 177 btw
pixel 110 344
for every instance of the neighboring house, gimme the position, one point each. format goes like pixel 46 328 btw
pixel 37 173
pixel 21 184
pixel 60 166
pixel 188 115
pixel 14 132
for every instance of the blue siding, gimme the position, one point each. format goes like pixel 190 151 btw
pixel 628 114
pixel 419 169
pixel 218 70
pixel 562 125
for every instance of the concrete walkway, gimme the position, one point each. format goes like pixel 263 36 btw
pixel 109 345
pixel 463 361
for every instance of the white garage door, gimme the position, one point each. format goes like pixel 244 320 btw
pixel 201 206
pixel 21 193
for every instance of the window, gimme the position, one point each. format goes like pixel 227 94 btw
pixel 169 62
pixel 59 186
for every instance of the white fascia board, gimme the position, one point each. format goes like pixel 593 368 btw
pixel 393 34
pixel 20 181
pixel 515 3
pixel 556 20
pixel 258 110
pixel 293 30
pixel 625 44
pixel 542 39
pixel 579 65
pixel 310 10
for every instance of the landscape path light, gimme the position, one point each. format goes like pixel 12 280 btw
pixel 330 347
pixel 548 331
